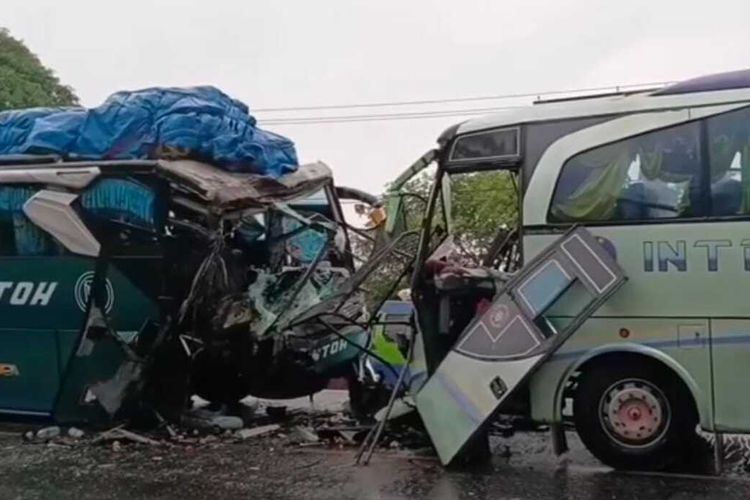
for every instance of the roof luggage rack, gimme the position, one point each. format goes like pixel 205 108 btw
pixel 615 92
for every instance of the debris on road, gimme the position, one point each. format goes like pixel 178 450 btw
pixel 305 434
pixel 118 434
pixel 205 420
pixel 44 434
pixel 257 431
pixel 296 426
pixel 75 433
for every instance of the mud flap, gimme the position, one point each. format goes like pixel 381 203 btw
pixel 503 346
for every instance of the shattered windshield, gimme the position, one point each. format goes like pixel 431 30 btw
pixel 295 261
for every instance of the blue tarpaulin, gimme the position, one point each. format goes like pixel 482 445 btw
pixel 199 122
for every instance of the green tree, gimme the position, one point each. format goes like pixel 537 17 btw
pixel 25 81
pixel 482 204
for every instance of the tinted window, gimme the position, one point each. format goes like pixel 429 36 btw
pixel 539 136
pixel 18 235
pixel 486 145
pixel 121 214
pixel 121 200
pixel 651 176
pixel 729 162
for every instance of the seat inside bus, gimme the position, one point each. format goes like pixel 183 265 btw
pixel 644 200
pixel 726 197
pixel 647 200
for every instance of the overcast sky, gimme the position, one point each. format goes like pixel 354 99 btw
pixel 285 53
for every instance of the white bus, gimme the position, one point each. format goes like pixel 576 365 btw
pixel 662 179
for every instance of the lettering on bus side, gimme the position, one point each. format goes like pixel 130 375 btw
pixel 671 256
pixel 27 293
pixel 329 349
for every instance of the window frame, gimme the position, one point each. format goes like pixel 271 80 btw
pixel 704 173
pixel 146 241
pixel 102 219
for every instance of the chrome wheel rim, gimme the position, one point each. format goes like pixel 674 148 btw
pixel 634 413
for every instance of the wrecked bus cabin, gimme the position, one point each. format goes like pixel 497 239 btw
pixel 162 245
pixel 144 282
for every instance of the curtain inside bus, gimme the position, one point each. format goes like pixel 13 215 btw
pixel 656 175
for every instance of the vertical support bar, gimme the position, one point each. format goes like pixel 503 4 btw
pixel 718 453
pixel 559 441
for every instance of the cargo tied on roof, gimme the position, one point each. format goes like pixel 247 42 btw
pixel 200 123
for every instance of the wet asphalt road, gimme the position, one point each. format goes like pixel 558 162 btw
pixel 267 468
pixel 523 467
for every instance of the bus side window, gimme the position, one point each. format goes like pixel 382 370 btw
pixel 121 200
pixel 729 162
pixel 18 235
pixel 656 175
pixel 122 215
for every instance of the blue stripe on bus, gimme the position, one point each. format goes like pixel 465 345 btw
pixel 730 339
pixel 468 407
pixel 662 344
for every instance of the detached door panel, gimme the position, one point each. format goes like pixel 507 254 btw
pixel 503 346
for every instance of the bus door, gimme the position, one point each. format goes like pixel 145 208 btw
pixel 503 345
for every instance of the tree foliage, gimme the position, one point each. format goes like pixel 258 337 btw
pixel 481 204
pixel 25 81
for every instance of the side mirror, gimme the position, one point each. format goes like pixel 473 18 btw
pixel 376 215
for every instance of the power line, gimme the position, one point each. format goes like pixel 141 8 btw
pixel 421 102
pixel 384 116
pixel 420 115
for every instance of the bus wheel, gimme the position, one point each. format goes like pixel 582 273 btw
pixel 634 415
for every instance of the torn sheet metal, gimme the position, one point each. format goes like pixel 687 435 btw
pixel 111 393
pixel 226 191
pixel 503 346
pixel 252 343
pixel 99 376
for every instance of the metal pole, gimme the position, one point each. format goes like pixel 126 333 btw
pixel 381 425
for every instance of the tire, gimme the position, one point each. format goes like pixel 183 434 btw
pixel 365 400
pixel 635 414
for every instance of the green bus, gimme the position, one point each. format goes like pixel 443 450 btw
pixel 129 285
